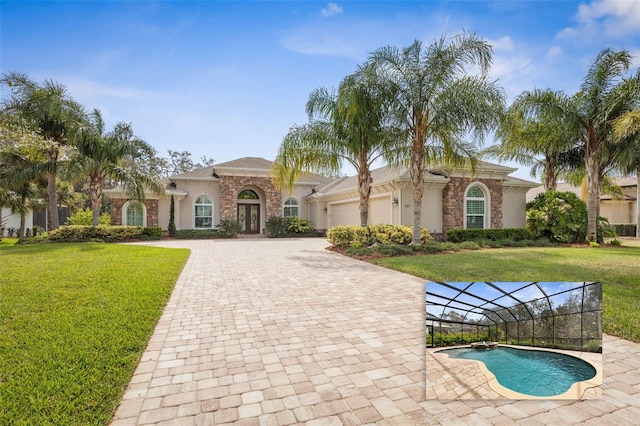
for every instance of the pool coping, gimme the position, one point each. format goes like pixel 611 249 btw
pixel 575 392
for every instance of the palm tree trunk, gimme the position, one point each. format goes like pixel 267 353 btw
pixel 23 217
pixel 417 180
pixel 54 219
pixel 593 200
pixel 364 188
pixel 96 198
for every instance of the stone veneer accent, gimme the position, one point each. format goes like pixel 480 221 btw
pixel 230 187
pixel 116 211
pixel 453 202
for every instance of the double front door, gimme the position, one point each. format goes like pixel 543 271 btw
pixel 249 218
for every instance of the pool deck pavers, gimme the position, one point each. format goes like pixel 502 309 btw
pixel 280 332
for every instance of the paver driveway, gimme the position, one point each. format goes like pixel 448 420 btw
pixel 280 332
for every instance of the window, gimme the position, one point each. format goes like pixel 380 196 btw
pixel 203 212
pixel 475 208
pixel 291 207
pixel 134 214
pixel 247 194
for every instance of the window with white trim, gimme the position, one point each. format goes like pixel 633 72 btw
pixel 134 214
pixel 203 212
pixel 475 208
pixel 291 207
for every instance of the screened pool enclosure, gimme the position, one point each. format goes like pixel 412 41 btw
pixel 564 315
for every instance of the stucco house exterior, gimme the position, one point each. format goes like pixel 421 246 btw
pixel 242 189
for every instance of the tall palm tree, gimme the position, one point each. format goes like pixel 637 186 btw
pixel 627 127
pixel 102 156
pixel 542 141
pixel 605 95
pixel 48 109
pixel 345 127
pixel 437 104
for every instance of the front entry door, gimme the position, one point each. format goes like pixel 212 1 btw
pixel 249 218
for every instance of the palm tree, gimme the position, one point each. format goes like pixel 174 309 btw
pixel 605 95
pixel 628 127
pixel 48 109
pixel 102 156
pixel 437 105
pixel 345 127
pixel 542 141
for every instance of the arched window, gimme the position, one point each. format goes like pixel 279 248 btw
pixel 476 207
pixel 291 207
pixel 247 194
pixel 134 214
pixel 203 212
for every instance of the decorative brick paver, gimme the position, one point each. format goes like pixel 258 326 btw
pixel 284 332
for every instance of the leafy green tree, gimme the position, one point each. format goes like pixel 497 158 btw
pixel 437 104
pixel 627 127
pixel 48 109
pixel 345 127
pixel 20 176
pixel 605 95
pixel 542 141
pixel 102 156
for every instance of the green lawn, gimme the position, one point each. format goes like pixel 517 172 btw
pixel 617 268
pixel 74 320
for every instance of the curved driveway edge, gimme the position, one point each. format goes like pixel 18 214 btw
pixel 284 332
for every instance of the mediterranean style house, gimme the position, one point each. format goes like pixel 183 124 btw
pixel 243 190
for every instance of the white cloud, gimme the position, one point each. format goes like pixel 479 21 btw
pixel 604 19
pixel 554 52
pixel 502 43
pixel 331 10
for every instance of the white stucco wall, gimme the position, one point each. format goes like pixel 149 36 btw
pixel 431 208
pixel 514 208
pixel 380 210
pixel 344 213
pixel 13 220
pixel 185 218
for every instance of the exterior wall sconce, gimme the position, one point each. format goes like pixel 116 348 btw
pixel 325 210
pixel 395 202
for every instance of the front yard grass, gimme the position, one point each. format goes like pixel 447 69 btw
pixel 74 321
pixel 617 268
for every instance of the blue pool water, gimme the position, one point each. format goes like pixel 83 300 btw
pixel 537 373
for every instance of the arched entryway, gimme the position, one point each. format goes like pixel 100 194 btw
pixel 248 211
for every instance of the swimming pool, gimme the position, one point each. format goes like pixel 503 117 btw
pixel 529 372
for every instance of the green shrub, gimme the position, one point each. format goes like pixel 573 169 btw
pixel 229 228
pixel 152 231
pixel 85 217
pixel 171 228
pixel 196 234
pixel 343 235
pixel 558 216
pixel 615 242
pixel 458 235
pixel 73 233
pixel 626 230
pixel 469 245
pixel 392 249
pixel 299 226
pixel 276 226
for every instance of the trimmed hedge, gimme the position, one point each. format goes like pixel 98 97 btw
pixel 515 234
pixel 359 236
pixel 74 233
pixel 626 230
pixel 197 234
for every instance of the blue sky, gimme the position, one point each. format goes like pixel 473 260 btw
pixel 228 79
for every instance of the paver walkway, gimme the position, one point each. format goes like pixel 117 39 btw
pixel 279 332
